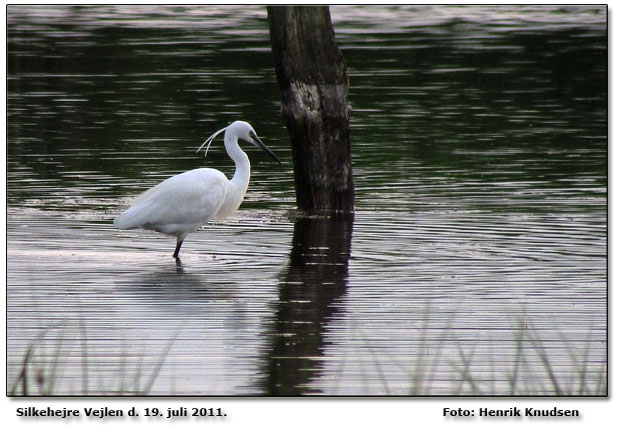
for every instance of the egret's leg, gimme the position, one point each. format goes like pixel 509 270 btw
pixel 179 241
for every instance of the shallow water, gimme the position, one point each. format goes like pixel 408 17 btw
pixel 476 260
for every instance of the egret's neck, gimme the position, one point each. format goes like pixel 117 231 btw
pixel 243 167
pixel 240 181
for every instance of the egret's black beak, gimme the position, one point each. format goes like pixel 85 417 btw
pixel 259 143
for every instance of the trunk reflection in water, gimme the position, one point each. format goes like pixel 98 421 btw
pixel 308 292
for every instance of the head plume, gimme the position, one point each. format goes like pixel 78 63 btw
pixel 210 139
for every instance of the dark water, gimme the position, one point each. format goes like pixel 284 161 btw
pixel 475 264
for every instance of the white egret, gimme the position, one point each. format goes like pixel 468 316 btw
pixel 185 202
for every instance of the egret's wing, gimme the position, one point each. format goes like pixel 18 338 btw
pixel 179 204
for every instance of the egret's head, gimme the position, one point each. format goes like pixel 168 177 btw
pixel 242 130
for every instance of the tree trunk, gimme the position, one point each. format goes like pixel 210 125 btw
pixel 313 81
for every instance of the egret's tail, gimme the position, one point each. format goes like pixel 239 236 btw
pixel 127 220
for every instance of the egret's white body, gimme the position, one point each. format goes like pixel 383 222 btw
pixel 185 202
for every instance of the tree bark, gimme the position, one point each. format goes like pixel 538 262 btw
pixel 313 80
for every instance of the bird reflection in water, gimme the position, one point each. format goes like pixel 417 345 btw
pixel 308 292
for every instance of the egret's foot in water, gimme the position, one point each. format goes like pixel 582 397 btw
pixel 177 251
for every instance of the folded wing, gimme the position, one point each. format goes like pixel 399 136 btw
pixel 178 205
